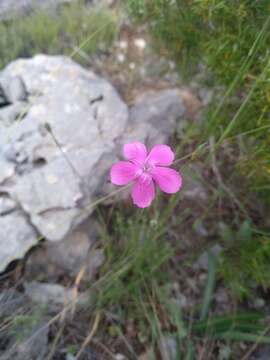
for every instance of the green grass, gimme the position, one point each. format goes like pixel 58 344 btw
pixel 245 263
pixel 73 28
pixel 136 285
pixel 227 44
pixel 136 249
pixel 229 40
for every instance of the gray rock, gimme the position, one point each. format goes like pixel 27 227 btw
pixel 13 87
pixel 168 348
pixel 71 253
pixel 10 113
pixel 71 96
pixel 53 296
pixel 225 352
pixel 68 256
pixel 202 262
pixel 154 115
pixel 17 236
pixel 55 161
pixel 10 302
pixel 259 303
pixel 7 205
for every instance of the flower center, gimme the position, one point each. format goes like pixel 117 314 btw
pixel 147 168
pixel 145 172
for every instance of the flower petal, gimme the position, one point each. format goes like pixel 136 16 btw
pixel 143 193
pixel 135 151
pixel 161 155
pixel 169 180
pixel 123 172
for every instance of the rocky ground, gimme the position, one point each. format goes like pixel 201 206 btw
pixel 62 126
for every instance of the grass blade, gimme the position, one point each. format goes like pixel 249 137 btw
pixel 209 289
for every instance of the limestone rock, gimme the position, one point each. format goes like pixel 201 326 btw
pixel 75 253
pixel 53 296
pixel 154 115
pixel 17 236
pixel 55 157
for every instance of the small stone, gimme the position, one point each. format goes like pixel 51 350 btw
pixel 123 44
pixel 132 66
pixel 225 352
pixel 70 253
pixel 259 303
pixel 147 116
pixel 55 296
pixel 73 254
pixel 168 348
pixel 10 301
pixel 120 357
pixel 202 262
pixel 140 43
pixel 70 357
pixel 200 229
pixel 221 296
pixel 121 58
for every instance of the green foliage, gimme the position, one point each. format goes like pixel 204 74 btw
pixel 210 285
pixel 238 327
pixel 229 42
pixel 136 251
pixel 245 263
pixel 136 284
pixel 137 255
pixel 219 33
pixel 73 27
pixel 24 324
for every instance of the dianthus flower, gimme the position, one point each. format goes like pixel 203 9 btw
pixel 146 171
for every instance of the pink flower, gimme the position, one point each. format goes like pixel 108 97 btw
pixel 146 171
